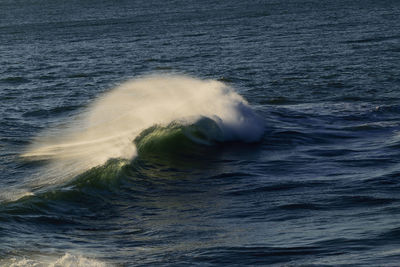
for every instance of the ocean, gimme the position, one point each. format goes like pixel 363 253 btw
pixel 184 133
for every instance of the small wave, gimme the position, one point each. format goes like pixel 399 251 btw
pixel 78 75
pixel 361 200
pixel 375 39
pixel 280 100
pixel 299 206
pixel 276 187
pixel 372 126
pixel 49 112
pixel 15 80
pixel 256 255
pixel 391 109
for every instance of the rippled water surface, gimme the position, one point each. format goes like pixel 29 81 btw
pixel 320 186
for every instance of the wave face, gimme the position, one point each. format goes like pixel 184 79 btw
pixel 204 111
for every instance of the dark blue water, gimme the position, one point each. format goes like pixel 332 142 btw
pixel 320 187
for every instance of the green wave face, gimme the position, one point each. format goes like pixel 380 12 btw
pixel 177 138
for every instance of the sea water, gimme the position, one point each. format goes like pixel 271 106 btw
pixel 199 133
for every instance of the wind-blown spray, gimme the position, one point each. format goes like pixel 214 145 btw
pixel 109 126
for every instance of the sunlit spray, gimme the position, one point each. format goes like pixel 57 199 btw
pixel 108 127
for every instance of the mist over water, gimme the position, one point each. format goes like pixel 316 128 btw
pixel 216 133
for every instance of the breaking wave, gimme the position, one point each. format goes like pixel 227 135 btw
pixel 153 113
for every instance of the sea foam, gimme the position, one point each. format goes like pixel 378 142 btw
pixel 67 260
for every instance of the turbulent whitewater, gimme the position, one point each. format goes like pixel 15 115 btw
pixel 110 125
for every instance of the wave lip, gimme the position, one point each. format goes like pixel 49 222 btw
pixel 205 111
